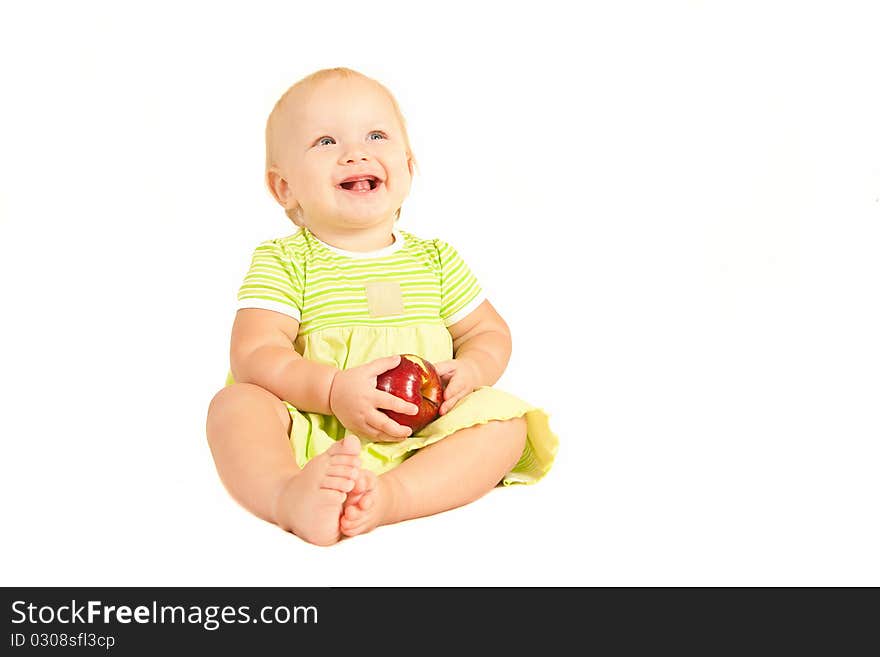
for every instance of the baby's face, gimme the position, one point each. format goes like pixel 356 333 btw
pixel 334 131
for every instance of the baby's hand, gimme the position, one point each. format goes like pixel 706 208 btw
pixel 355 401
pixel 460 378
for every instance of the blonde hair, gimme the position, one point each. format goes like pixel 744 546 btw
pixel 273 126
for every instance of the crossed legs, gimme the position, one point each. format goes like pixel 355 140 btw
pixel 332 496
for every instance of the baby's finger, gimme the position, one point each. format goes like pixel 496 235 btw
pixel 444 368
pixel 381 365
pixel 449 404
pixel 377 436
pixel 393 403
pixel 388 429
pixel 452 390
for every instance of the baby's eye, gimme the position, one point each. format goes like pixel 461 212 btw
pixel 377 132
pixel 323 139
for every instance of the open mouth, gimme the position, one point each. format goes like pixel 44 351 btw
pixel 361 185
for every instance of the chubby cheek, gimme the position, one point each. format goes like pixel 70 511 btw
pixel 399 176
pixel 401 163
pixel 314 184
pixel 317 167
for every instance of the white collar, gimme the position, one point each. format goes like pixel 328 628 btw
pixel 388 250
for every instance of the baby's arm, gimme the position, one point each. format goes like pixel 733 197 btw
pixel 262 353
pixel 483 339
pixel 481 346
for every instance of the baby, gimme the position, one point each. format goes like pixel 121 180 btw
pixel 298 434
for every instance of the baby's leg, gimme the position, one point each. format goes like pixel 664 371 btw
pixel 450 473
pixel 248 429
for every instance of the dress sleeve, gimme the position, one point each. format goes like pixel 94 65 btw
pixel 274 281
pixel 460 293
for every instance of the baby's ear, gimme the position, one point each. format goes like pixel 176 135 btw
pixel 278 186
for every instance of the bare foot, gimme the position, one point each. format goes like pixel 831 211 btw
pixel 366 505
pixel 310 502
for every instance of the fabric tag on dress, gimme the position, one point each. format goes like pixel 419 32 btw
pixel 384 298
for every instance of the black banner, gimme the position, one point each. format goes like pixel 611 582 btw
pixel 150 620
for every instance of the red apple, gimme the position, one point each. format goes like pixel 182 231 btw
pixel 416 381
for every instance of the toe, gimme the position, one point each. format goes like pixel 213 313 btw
pixel 358 509
pixel 349 445
pixel 352 512
pixel 343 484
pixel 367 480
pixel 366 501
pixel 344 471
pixel 361 483
pixel 350 528
pixel 352 461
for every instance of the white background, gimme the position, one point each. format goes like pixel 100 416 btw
pixel 675 206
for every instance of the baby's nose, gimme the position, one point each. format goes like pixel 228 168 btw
pixel 354 153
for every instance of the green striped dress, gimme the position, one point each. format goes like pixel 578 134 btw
pixel 355 307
